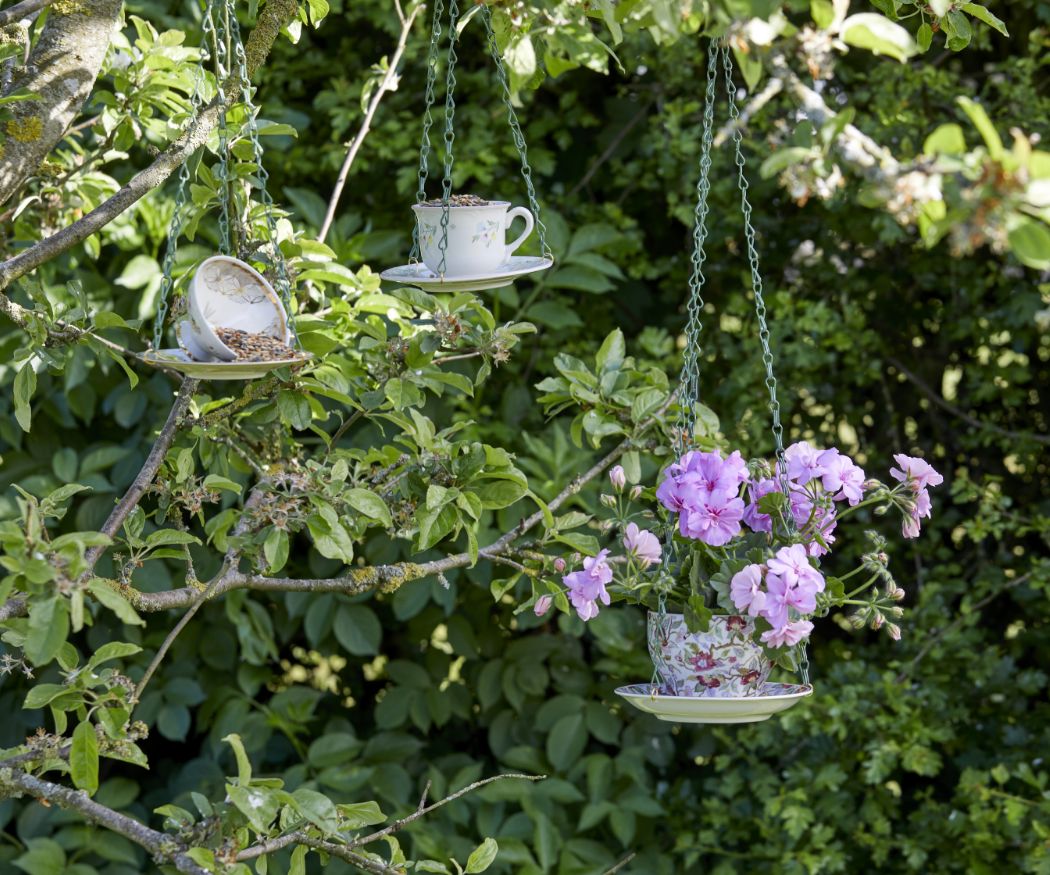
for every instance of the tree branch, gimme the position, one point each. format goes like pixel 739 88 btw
pixel 946 405
pixel 388 83
pixel 274 15
pixel 21 10
pixel 163 847
pixel 386 578
pixel 60 72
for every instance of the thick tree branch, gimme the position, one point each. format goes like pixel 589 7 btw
pixel 274 15
pixel 163 847
pixel 385 578
pixel 61 71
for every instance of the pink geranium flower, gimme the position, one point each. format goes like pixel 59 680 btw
pixel 642 544
pixel 745 589
pixel 543 604
pixel 587 587
pixel 716 523
pixel 841 477
pixel 912 525
pixel 917 473
pixel 803 461
pixel 755 519
pixel 790 634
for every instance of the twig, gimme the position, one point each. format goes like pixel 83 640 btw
pixel 608 151
pixel 21 10
pixel 955 624
pixel 421 812
pixel 343 429
pixel 386 84
pixel 621 864
pixel 773 87
pixel 145 476
pixel 937 399
pixel 158 844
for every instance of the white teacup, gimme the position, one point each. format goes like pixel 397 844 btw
pixel 477 237
pixel 227 293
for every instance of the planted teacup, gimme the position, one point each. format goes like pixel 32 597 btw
pixel 476 235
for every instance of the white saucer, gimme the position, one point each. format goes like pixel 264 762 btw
pixel 422 276
pixel 710 709
pixel 178 360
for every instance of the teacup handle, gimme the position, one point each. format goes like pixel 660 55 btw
pixel 530 223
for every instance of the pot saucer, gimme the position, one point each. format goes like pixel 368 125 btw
pixel 179 360
pixel 710 709
pixel 423 277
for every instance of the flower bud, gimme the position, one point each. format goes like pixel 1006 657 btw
pixel 618 478
pixel 857 620
pixel 897 594
pixel 883 558
pixel 895 631
pixel 543 604
pixel 607 526
pixel 636 492
pixel 608 500
pixel 877 621
pixel 559 565
pixel 871 484
pixel 896 612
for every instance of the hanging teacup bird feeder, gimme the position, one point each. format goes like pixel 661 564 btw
pixel 459 241
pixel 719 675
pixel 237 325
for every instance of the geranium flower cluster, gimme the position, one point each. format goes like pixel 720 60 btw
pixel 918 475
pixel 786 586
pixel 704 490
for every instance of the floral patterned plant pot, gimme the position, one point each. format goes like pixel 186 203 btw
pixel 723 661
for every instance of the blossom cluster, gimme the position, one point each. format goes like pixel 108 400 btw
pixel 786 586
pixel 704 490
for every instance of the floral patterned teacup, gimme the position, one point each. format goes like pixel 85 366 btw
pixel 723 661
pixel 477 237
pixel 227 293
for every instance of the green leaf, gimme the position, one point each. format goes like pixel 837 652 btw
pixel 317 808
pixel 244 766
pixel 214 481
pixel 48 628
pixel 43 857
pixel 1029 240
pixel 258 804
pixel 924 37
pixel 496 494
pixel 25 386
pixel 357 628
pixel 298 862
pixel 110 598
pixel 945 140
pixel 482 856
pixel 356 815
pixel 612 352
pixel 112 650
pixel 783 158
pixel 869 30
pixel 83 758
pixel 981 13
pixel 166 537
pixel 567 741
pixel 275 549
pixel 370 504
pixel 985 128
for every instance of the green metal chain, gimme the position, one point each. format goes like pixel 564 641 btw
pixel 177 217
pixel 515 129
pixel 216 31
pixel 277 260
pixel 689 380
pixel 760 308
pixel 450 129
pixel 428 120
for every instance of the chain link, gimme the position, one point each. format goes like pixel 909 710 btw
pixel 177 218
pixel 515 130
pixel 428 120
pixel 277 260
pixel 450 130
pixel 802 657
